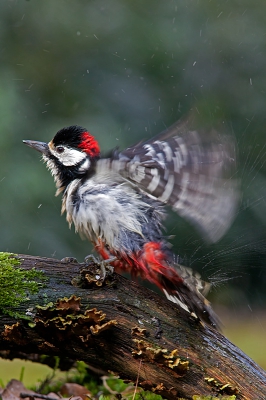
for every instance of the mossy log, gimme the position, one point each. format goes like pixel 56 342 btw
pixel 121 327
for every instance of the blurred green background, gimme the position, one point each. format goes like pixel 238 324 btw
pixel 126 70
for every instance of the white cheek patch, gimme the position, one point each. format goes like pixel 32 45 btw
pixel 85 165
pixel 69 156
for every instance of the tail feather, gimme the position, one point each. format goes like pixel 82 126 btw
pixel 196 304
pixel 179 284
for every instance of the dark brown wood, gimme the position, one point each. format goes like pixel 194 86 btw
pixel 129 330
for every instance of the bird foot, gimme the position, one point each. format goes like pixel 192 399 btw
pixel 104 266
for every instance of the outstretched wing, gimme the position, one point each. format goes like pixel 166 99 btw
pixel 190 169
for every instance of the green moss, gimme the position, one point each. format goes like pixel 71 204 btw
pixel 16 284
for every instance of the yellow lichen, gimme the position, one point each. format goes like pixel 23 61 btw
pixel 161 356
pixel 226 388
pixel 66 316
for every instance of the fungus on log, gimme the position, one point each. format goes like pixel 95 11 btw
pixel 121 327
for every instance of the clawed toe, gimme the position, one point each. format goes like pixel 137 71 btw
pixel 104 266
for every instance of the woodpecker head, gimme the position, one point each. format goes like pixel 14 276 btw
pixel 71 154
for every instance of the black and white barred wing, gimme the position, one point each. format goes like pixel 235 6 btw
pixel 191 170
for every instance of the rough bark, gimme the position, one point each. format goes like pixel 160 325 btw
pixel 129 330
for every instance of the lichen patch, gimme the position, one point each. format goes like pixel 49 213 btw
pixel 224 388
pixel 161 356
pixel 65 321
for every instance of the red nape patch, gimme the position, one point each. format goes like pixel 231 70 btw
pixel 89 145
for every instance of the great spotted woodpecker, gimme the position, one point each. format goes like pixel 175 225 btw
pixel 118 202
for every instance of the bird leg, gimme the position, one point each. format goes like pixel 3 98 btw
pixel 104 267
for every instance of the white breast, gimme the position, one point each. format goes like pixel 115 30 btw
pixel 101 211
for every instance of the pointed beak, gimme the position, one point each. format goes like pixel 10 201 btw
pixel 39 146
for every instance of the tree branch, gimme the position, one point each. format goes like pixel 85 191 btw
pixel 129 330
